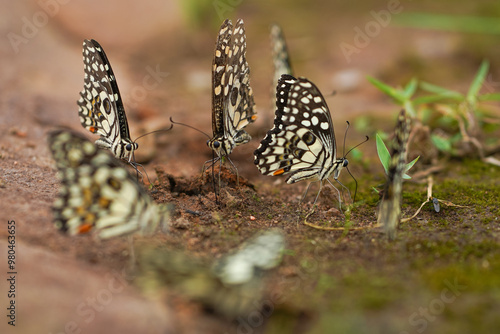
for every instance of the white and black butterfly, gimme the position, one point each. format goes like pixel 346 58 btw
pixel 281 58
pixel 98 193
pixel 302 141
pixel 232 285
pixel 232 98
pixel 101 109
pixel 389 213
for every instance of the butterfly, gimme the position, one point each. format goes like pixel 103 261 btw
pixel 230 285
pixel 98 193
pixel 389 212
pixel 101 109
pixel 301 143
pixel 232 99
pixel 281 58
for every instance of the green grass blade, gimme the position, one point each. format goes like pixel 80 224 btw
pixel 428 87
pixel 489 97
pixel 410 88
pixel 408 167
pixel 436 98
pixel 383 153
pixel 392 92
pixel 477 83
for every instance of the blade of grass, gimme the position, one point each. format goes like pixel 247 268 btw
pixel 436 98
pixel 428 87
pixel 489 97
pixel 477 83
pixel 408 167
pixel 410 88
pixel 383 153
pixel 392 92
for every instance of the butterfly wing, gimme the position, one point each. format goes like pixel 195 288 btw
pixel 101 109
pixel 239 103
pixel 389 212
pixel 232 99
pixel 232 286
pixel 219 77
pixel 302 141
pixel 97 192
pixel 281 59
pixel 262 252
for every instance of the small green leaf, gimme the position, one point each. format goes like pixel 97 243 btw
pixel 411 163
pixel 408 166
pixel 383 153
pixel 441 143
pixel 410 88
pixel 489 97
pixel 436 98
pixel 477 83
pixel 392 92
pixel 428 87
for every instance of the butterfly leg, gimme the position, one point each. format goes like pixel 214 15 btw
pixel 302 199
pixel 236 170
pixel 338 192
pixel 305 192
pixel 210 164
pixel 135 165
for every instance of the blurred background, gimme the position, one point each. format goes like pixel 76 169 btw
pixel 336 44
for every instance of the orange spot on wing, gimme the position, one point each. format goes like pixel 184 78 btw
pixel 279 171
pixel 85 228
pixel 93 129
pixel 254 117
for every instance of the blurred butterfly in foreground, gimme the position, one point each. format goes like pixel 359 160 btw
pixel 232 97
pixel 97 192
pixel 232 285
pixel 389 212
pixel 101 109
pixel 302 142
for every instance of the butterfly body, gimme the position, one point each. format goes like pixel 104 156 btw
pixel 101 108
pixel 98 193
pixel 302 142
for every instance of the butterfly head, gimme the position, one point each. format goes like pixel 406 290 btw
pixel 340 163
pixel 130 147
pixel 221 146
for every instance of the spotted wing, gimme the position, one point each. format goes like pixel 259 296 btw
pixel 390 207
pixel 232 101
pixel 281 58
pixel 97 192
pixel 100 105
pixel 302 141
pixel 232 286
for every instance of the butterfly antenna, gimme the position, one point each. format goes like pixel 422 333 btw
pixel 155 131
pixel 364 141
pixel 345 137
pixel 189 126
